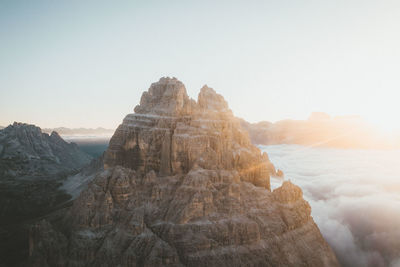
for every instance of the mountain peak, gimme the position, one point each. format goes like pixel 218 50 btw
pixel 168 96
pixel 209 99
pixel 23 126
pixel 184 134
pixel 30 147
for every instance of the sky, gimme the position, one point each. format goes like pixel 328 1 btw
pixel 86 63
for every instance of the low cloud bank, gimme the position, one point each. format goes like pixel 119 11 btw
pixel 355 199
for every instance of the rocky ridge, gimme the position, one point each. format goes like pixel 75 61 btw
pixel 25 150
pixel 183 186
pixel 33 166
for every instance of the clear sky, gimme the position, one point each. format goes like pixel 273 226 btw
pixel 86 63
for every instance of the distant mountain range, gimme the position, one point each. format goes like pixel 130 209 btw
pixel 80 131
pixel 99 131
pixel 320 130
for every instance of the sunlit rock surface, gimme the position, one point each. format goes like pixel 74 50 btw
pixel 170 133
pixel 183 186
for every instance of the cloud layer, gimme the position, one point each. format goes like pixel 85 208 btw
pixel 355 198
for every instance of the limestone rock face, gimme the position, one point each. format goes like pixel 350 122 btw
pixel 170 134
pixel 183 186
pixel 166 97
pixel 288 193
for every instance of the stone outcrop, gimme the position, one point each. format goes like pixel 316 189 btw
pixel 183 186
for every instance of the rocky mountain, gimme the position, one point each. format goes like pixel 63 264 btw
pixel 182 186
pixel 320 130
pixel 25 150
pixel 33 166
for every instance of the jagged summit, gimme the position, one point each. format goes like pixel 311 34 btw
pixel 208 99
pixel 170 133
pixel 24 149
pixel 168 96
pixel 183 186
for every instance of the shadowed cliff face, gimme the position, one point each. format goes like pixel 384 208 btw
pixel 33 166
pixel 26 151
pixel 183 186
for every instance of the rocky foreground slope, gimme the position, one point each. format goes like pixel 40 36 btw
pixel 33 166
pixel 183 186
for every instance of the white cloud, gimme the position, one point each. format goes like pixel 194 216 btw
pixel 355 199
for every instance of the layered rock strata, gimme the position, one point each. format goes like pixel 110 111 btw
pixel 183 186
pixel 170 133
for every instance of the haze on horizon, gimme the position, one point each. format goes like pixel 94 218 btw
pixel 86 63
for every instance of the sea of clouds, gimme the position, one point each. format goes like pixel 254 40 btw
pixel 354 195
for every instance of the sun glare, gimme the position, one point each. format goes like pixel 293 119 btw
pixel 385 124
